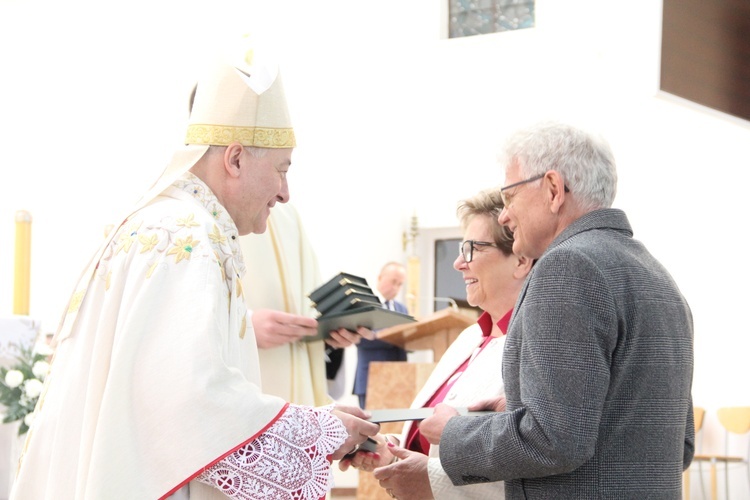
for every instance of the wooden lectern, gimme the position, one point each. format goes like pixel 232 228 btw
pixel 434 332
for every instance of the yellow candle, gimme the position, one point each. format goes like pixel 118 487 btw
pixel 22 273
pixel 412 286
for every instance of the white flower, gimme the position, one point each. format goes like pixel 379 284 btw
pixel 28 419
pixel 13 378
pixel 43 349
pixel 40 369
pixel 32 388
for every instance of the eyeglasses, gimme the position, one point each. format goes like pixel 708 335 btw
pixel 508 199
pixel 466 248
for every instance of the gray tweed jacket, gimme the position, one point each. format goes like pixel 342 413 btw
pixel 598 369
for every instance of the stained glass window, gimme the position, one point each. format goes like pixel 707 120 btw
pixel 479 17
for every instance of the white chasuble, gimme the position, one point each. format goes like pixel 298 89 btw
pixel 148 390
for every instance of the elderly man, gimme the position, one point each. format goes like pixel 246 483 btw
pixel 599 356
pixel 154 389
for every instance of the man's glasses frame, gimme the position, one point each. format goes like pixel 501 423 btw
pixel 507 200
pixel 466 248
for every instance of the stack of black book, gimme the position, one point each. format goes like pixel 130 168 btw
pixel 347 301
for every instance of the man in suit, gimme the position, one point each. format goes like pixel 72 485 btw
pixel 598 361
pixel 390 280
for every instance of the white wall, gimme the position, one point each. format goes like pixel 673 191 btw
pixel 390 119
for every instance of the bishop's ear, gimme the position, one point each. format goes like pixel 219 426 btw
pixel 233 159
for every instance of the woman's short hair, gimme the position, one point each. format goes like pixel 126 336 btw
pixel 489 204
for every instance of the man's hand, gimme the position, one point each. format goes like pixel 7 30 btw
pixel 275 328
pixel 344 338
pixel 492 404
pixel 406 479
pixel 358 428
pixel 432 427
pixel 369 460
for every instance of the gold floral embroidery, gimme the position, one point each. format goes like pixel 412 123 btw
pixel 243 328
pixel 239 287
pixel 221 266
pixel 182 248
pixel 148 242
pixel 75 300
pixel 216 236
pixel 127 237
pixel 187 221
pixel 216 211
pixel 198 191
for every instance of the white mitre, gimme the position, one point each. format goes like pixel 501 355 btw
pixel 239 99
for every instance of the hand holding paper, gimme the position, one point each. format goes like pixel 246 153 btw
pixel 368 458
pixel 358 428
pixel 432 427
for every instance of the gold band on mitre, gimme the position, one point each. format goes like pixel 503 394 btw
pixel 260 137
pixel 241 102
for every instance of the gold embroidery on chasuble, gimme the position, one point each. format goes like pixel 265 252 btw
pixel 238 284
pixel 148 242
pixel 187 222
pixel 127 237
pixel 221 266
pixel 75 301
pixel 182 248
pixel 216 237
pixel 243 327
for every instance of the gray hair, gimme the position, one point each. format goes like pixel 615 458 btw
pixel 585 162
pixel 255 151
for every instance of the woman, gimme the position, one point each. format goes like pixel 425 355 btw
pixel 469 371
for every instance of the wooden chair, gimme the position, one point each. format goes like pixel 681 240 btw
pixel 698 414
pixel 735 420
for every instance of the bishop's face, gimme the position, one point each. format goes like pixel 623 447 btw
pixel 263 183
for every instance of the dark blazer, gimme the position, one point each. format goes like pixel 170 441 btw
pixel 376 350
pixel 598 369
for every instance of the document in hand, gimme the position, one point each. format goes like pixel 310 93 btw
pixel 403 414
